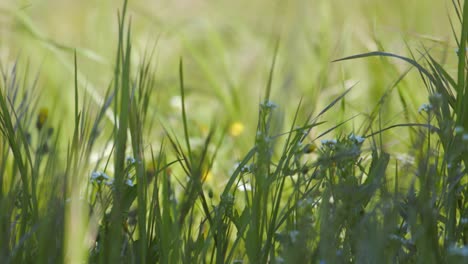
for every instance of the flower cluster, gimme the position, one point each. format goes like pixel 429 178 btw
pixel 425 108
pixel 100 177
pixel 341 152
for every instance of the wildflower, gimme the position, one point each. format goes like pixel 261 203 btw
pixel 458 251
pixel 356 139
pixel 293 236
pixel 458 50
pixel 309 148
pixel 329 142
pixel 236 129
pixel 207 175
pixel 42 117
pixel 99 177
pixel 243 169
pixel 130 160
pixel 176 102
pixel 244 187
pixel 465 137
pixel 129 182
pixel 425 108
pixel 459 130
pixel 268 104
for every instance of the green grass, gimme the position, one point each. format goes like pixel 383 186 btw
pixel 132 173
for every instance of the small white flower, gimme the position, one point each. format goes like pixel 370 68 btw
pixel 99 177
pixel 109 182
pixel 129 182
pixel 269 104
pixel 465 137
pixel 176 102
pixel 244 169
pixel 459 130
pixel 425 108
pixel 293 235
pixel 234 168
pixel 130 160
pixel 244 187
pixel 458 251
pixel 457 50
pixel 356 139
pixel 328 142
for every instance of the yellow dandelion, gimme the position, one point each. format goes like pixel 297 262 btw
pixel 236 129
pixel 42 117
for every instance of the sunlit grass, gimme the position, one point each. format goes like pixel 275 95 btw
pixel 205 139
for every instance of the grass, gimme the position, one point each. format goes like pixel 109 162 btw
pixel 134 183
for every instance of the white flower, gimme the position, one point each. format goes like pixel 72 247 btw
pixel 457 50
pixel 293 235
pixel 109 182
pixel 176 102
pixel 465 137
pixel 269 104
pixel 458 251
pixel 328 142
pixel 243 169
pixel 244 187
pixel 129 182
pixel 130 160
pixel 356 139
pixel 425 108
pixel 99 177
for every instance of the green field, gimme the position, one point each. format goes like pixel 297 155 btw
pixel 234 131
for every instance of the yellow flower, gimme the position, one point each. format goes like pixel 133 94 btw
pixel 309 148
pixel 236 129
pixel 204 129
pixel 206 175
pixel 42 117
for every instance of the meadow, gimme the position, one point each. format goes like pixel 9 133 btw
pixel 233 131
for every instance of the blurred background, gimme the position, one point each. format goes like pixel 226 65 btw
pixel 227 48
